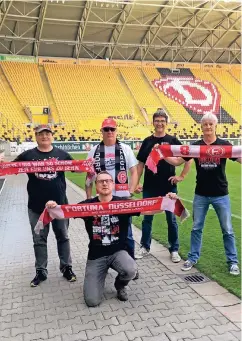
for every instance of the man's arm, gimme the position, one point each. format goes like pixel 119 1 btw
pixel 140 169
pixel 174 161
pixel 88 189
pixel 133 179
pixel 177 178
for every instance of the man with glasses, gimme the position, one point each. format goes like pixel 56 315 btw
pixel 107 246
pixel 159 184
pixel 117 159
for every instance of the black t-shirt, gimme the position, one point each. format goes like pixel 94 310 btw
pixel 157 184
pixel 108 233
pixel 43 187
pixel 211 177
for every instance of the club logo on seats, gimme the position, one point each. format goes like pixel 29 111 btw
pixel 195 94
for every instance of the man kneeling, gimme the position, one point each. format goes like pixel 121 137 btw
pixel 108 245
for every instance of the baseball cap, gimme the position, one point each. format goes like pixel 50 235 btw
pixel 109 122
pixel 42 127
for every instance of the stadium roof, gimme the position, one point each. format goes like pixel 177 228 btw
pixel 156 30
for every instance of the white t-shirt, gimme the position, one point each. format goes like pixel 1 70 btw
pixel 109 151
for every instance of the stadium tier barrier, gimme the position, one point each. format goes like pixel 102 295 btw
pixel 13 148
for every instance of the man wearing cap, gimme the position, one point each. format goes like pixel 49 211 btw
pixel 117 159
pixel 41 188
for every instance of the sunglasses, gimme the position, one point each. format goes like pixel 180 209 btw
pixel 107 129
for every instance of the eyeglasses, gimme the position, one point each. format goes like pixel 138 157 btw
pixel 107 129
pixel 159 121
pixel 108 181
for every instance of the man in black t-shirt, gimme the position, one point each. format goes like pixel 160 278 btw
pixel 42 187
pixel 108 247
pixel 159 184
pixel 211 188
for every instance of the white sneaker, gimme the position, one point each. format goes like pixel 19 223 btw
pixel 234 270
pixel 143 252
pixel 175 257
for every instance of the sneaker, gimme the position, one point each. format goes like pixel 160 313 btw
pixel 136 276
pixel 187 265
pixel 122 294
pixel 69 274
pixel 234 270
pixel 40 277
pixel 142 253
pixel 175 258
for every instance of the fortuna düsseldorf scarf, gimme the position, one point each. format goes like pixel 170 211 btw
pixel 194 151
pixel 51 165
pixel 121 177
pixel 112 208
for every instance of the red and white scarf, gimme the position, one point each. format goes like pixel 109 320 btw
pixel 51 165
pixel 112 208
pixel 195 151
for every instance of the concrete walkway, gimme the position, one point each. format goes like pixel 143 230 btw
pixel 161 305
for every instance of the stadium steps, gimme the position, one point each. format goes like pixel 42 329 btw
pixel 14 99
pixel 137 109
pixel 224 87
pixel 53 109
pixel 234 77
pixel 162 103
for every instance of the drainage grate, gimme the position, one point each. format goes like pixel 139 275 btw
pixel 195 278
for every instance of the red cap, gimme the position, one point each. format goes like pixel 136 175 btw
pixel 42 127
pixel 109 122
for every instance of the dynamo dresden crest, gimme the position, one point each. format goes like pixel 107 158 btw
pixel 195 94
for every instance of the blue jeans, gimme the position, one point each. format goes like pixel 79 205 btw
pixel 222 208
pixel 130 240
pixel 172 228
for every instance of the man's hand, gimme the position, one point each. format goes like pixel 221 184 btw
pixel 171 195
pixel 175 179
pixel 138 189
pixel 51 204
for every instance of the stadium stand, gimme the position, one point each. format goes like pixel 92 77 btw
pixel 82 95
pixel 25 81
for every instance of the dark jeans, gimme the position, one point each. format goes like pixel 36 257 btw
pixel 60 229
pixel 96 272
pixel 130 240
pixel 172 228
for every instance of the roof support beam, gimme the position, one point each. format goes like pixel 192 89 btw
pixel 153 24
pixel 120 25
pixel 212 32
pixel 5 14
pixel 232 42
pixel 184 26
pixel 154 35
pixel 39 27
pixel 221 38
pixel 194 29
pixel 82 28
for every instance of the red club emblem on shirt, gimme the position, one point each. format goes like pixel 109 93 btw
pixel 195 94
